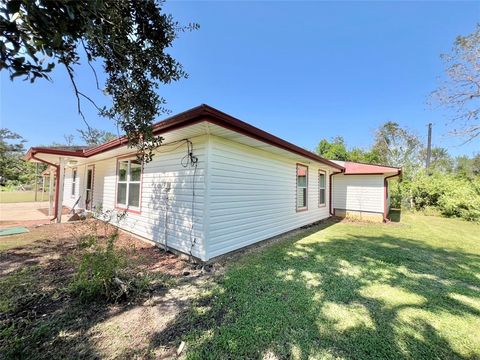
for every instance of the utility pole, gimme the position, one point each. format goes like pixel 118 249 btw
pixel 429 146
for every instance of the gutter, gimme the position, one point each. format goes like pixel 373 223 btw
pixel 385 191
pixel 330 191
pixel 57 184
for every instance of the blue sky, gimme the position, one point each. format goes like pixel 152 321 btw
pixel 300 70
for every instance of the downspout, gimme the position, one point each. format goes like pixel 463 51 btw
pixel 385 191
pixel 330 191
pixel 57 184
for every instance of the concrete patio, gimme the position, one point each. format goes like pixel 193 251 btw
pixel 26 213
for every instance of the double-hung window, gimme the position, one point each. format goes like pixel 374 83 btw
pixel 129 177
pixel 302 187
pixel 74 182
pixel 321 187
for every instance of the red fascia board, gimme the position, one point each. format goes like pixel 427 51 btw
pixel 194 116
pixel 366 173
pixel 52 151
pixel 219 118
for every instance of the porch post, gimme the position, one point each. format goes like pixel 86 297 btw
pixel 60 182
pixel 50 191
pixel 43 186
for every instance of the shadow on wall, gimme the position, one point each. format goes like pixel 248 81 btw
pixel 354 297
pixel 160 200
pixel 171 201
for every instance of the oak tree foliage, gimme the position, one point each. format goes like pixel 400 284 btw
pixel 130 38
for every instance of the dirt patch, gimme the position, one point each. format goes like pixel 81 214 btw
pixel 35 271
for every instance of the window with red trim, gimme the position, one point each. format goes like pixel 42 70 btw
pixel 302 187
pixel 322 186
pixel 129 175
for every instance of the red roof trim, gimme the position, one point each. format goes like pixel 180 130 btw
pixel 52 151
pixel 355 168
pixel 191 117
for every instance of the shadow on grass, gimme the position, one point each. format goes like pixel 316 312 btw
pixel 376 297
pixel 37 318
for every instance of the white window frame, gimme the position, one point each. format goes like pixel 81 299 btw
pixel 73 191
pixel 324 188
pixel 300 188
pixel 127 181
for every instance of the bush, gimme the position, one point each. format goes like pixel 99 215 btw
pixel 447 194
pixel 396 194
pixel 99 271
pixel 103 270
pixel 461 201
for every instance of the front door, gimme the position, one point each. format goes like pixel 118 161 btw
pixel 89 188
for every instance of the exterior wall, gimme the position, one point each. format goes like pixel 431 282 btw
pixel 358 194
pixel 151 223
pixel 252 196
pixel 68 199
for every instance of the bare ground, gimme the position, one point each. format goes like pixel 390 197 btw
pixel 35 269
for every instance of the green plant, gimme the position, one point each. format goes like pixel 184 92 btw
pixel 100 270
pixel 461 201
pixel 103 271
pixel 446 194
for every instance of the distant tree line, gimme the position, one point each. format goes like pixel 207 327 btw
pixel 450 186
pixel 14 171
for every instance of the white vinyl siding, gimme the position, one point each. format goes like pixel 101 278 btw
pixel 163 172
pixel 252 196
pixel 358 192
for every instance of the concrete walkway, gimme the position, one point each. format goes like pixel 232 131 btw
pixel 31 213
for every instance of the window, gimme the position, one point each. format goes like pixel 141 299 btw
pixel 128 183
pixel 74 181
pixel 302 187
pixel 321 187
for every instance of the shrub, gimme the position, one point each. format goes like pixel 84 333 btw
pixel 103 270
pixel 99 271
pixel 396 194
pixel 447 194
pixel 460 201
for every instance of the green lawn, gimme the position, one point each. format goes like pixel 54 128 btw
pixel 407 290
pixel 346 291
pixel 21 196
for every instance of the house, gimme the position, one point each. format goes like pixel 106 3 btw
pixel 216 184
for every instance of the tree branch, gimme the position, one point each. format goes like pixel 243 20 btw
pixel 90 64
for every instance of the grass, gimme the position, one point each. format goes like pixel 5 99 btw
pixel 23 239
pixel 408 290
pixel 21 196
pixel 346 291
